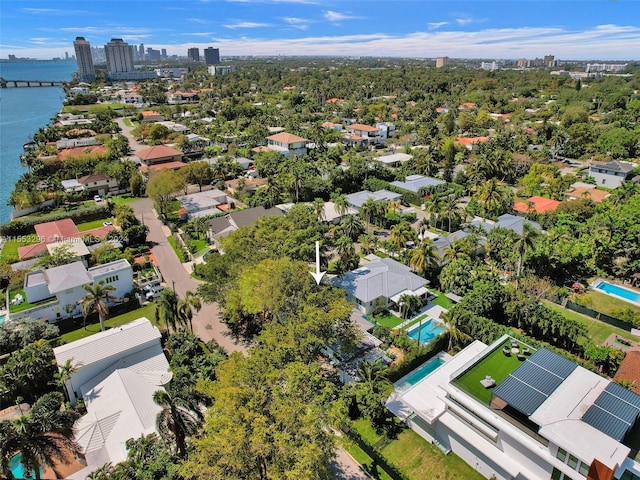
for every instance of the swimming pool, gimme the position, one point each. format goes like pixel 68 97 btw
pixel 18 471
pixel 627 294
pixel 428 331
pixel 2 317
pixel 419 373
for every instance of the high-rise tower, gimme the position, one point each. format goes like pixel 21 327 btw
pixel 119 56
pixel 212 56
pixel 194 54
pixel 86 72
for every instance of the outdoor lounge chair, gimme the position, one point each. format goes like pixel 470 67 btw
pixel 506 351
pixel 488 382
pixel 521 357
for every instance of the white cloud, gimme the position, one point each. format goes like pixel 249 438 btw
pixel 201 21
pixel 464 20
pixel 436 25
pixel 247 25
pixel 199 34
pixel 335 17
pixel 53 11
pixel 299 23
pixel 604 42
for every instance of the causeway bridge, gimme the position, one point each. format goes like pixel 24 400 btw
pixel 30 83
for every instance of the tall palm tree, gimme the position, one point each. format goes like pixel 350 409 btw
pixel 352 226
pixel 424 257
pixel 167 310
pixel 43 437
pixel 318 208
pixel 524 243
pixel 367 209
pixel 408 304
pixel 454 251
pixel 63 375
pixel 179 418
pixel 186 306
pixel 340 203
pixel 98 294
pixel 450 320
pixel 490 196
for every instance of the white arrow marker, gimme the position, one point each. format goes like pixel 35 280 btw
pixel 318 274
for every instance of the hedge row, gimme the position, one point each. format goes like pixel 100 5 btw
pixel 26 227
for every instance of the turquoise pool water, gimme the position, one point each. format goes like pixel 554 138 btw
pixel 17 470
pixel 2 317
pixel 421 372
pixel 428 331
pixel 618 291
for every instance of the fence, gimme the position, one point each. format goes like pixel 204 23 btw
pixel 603 317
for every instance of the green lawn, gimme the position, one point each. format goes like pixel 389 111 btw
pixel 10 248
pixel 604 303
pixel 95 108
pixel 200 245
pixel 364 459
pixel 94 327
pixel 25 305
pixel 83 227
pixel 174 245
pixel 42 217
pixel 441 299
pixel 496 364
pixel 126 198
pixel 389 320
pixel 129 122
pixel 417 458
pixel 598 331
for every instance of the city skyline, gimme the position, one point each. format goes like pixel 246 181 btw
pixel 589 29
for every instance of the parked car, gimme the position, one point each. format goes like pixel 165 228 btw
pixel 107 224
pixel 152 292
pixel 97 198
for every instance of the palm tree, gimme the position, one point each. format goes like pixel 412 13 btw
pixel 340 203
pixel 63 375
pixel 186 307
pixel 345 250
pixel 454 251
pixel 96 301
pixel 179 418
pixel 399 235
pixel 490 196
pixel 43 437
pixel 367 209
pixel 408 304
pixel 352 226
pixel 424 256
pixel 167 309
pixel 450 320
pixel 318 208
pixel 524 243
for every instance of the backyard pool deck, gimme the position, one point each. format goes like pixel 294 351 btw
pixel 497 365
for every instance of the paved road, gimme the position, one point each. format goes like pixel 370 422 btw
pixel 206 323
pixel 344 467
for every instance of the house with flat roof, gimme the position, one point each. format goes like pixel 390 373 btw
pixel 116 374
pixel 55 293
pixel 530 415
pixel 393 160
pixel 611 174
pixel 382 280
pixel 203 203
pixel 356 200
pixel 413 183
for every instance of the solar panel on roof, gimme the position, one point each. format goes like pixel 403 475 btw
pixel 614 412
pixel 529 385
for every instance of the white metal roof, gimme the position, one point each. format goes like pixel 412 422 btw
pixel 107 344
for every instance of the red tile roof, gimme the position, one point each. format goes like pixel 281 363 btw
pixel 92 150
pixel 467 105
pixel 537 204
pixel 159 151
pixel 288 138
pixel 630 370
pixel 471 140
pixel 594 194
pixel 359 127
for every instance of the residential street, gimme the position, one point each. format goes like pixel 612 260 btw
pixel 206 323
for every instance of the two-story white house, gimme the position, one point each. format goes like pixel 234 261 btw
pixel 56 292
pixel 514 412
pixel 287 144
pixel 611 174
pixel 99 184
pixel 116 374
pixel 359 134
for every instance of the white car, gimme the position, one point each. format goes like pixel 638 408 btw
pixel 97 198
pixel 153 292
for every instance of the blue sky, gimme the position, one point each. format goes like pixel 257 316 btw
pixel 584 29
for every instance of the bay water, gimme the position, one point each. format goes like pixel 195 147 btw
pixel 22 112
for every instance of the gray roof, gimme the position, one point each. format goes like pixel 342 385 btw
pixel 66 277
pixel 109 267
pixel 393 158
pixel 380 278
pixel 358 198
pixel 34 278
pixel 206 200
pixel 223 226
pixel 509 221
pixel 529 385
pixel 414 183
pixel 624 167
pixel 614 412
pixel 443 242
